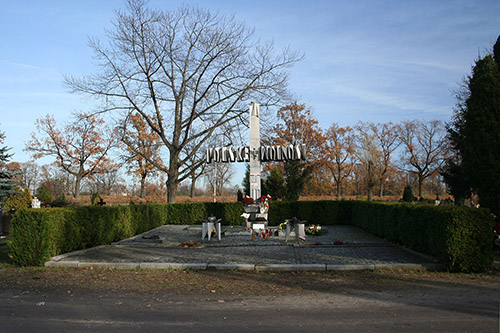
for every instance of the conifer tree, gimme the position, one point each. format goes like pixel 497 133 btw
pixel 475 134
pixel 7 183
pixel 481 155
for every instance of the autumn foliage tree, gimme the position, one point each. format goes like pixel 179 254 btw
pixel 297 126
pixel 142 147
pixel 339 154
pixel 80 148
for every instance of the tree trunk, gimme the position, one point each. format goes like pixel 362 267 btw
pixel 420 185
pixel 370 195
pixel 143 185
pixel 381 193
pixel 338 190
pixel 173 177
pixel 78 180
pixel 193 186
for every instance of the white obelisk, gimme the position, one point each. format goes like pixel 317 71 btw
pixel 255 168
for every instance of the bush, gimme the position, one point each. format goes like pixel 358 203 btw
pixel 148 216
pixel 408 194
pixel 37 235
pixel 18 200
pixel 458 237
pixel 95 199
pixel 44 194
pixel 186 213
pixel 60 201
pixel 228 212
pixel 315 212
pixel 103 225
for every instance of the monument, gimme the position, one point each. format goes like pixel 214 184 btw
pixel 255 154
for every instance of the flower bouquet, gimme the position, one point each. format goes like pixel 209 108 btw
pixel 314 230
pixel 264 203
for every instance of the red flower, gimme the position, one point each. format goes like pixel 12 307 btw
pixel 248 200
pixel 265 197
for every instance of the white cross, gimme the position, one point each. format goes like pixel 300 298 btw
pixel 255 154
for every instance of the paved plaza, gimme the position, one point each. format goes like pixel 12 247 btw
pixel 161 248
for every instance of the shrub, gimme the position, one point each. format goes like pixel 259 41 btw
pixel 408 194
pixel 44 194
pixel 103 225
pixel 18 200
pixel 228 212
pixel 458 237
pixel 186 213
pixel 315 212
pixel 60 201
pixel 95 199
pixel 36 235
pixel 145 217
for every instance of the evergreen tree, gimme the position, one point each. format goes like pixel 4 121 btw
pixel 7 183
pixel 456 181
pixel 454 176
pixel 408 194
pixel 275 184
pixel 481 130
pixel 296 174
pixel 246 180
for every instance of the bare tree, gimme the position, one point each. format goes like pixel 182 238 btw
pixel 30 174
pixel 218 175
pixel 186 72
pixel 385 137
pixel 55 179
pixel 370 161
pixel 108 182
pixel 425 148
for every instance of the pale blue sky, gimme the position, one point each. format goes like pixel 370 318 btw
pixel 365 60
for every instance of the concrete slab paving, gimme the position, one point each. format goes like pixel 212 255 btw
pixel 159 249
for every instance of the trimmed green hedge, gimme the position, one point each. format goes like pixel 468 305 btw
pixel 458 237
pixel 38 234
pixel 315 212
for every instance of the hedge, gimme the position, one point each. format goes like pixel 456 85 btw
pixel 458 237
pixel 38 234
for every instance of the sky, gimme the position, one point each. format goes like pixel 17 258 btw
pixel 374 61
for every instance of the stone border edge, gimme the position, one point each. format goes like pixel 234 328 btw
pixel 242 267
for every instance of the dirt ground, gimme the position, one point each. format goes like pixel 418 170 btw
pixel 235 282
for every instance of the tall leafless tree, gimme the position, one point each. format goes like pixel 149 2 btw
pixel 385 137
pixel 186 72
pixel 218 175
pixel 425 148
pixel 30 174
pixel 370 161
